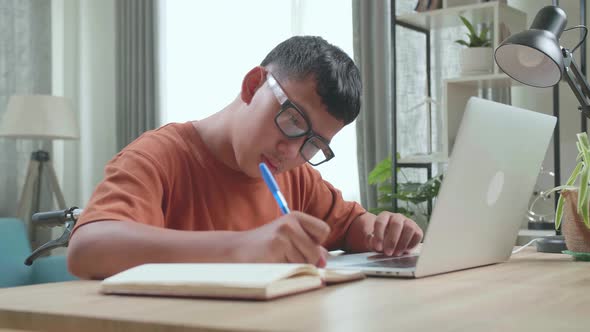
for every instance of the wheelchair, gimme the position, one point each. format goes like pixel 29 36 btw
pixel 66 217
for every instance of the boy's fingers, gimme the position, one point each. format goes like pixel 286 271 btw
pixel 317 229
pixel 294 256
pixel 302 242
pixel 379 232
pixel 404 240
pixel 392 236
pixel 414 241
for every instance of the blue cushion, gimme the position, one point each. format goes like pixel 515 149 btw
pixel 50 269
pixel 14 249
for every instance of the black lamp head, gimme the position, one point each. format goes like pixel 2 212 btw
pixel 534 57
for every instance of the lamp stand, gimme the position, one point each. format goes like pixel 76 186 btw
pixel 551 244
pixel 581 89
pixel 40 168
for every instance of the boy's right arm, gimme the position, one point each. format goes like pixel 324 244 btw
pixel 100 249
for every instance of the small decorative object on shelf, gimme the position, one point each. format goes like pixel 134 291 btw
pixel 426 5
pixel 455 3
pixel 477 57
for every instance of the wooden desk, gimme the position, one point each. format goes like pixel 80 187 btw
pixel 531 292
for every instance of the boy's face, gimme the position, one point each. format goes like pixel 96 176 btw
pixel 262 140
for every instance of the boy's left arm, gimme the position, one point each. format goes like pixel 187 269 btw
pixel 389 233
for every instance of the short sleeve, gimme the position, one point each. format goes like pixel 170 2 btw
pixel 132 190
pixel 325 202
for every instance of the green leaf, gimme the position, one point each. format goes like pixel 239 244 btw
pixel 475 39
pixel 585 217
pixel 468 25
pixel 583 188
pixel 383 200
pixel 462 42
pixel 583 139
pixel 583 193
pixel 381 172
pixel 405 212
pixel 385 188
pixel 559 211
pixel 572 179
pixel 472 40
pixel 483 34
pixel 409 187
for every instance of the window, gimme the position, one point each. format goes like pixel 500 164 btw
pixel 197 37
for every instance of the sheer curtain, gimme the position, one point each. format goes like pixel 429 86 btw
pixel 207 48
pixel 25 68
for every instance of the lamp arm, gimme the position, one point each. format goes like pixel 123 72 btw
pixel 577 82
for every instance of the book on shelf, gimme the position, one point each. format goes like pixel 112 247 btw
pixel 231 281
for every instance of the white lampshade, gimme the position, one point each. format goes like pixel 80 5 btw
pixel 39 116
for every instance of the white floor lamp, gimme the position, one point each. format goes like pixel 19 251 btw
pixel 39 117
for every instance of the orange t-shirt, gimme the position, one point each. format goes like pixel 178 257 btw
pixel 168 178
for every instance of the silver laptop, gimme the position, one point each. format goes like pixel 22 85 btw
pixel 490 177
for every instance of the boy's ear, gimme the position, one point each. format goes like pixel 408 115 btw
pixel 252 81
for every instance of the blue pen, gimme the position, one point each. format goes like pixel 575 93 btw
pixel 274 188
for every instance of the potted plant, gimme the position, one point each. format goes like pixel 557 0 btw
pixel 476 57
pixel 412 193
pixel 574 201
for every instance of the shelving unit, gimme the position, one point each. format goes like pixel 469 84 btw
pixel 457 92
pixel 502 20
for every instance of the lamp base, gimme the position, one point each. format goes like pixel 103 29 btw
pixel 551 244
pixel 40 171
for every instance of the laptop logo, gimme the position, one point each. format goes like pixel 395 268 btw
pixel 495 188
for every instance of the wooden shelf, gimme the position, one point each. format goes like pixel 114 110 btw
pixel 449 17
pixel 457 92
pixel 502 21
pixel 424 159
pixel 485 81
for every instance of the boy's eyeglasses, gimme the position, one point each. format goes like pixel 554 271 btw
pixel 293 123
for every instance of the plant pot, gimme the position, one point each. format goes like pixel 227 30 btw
pixel 476 60
pixel 577 235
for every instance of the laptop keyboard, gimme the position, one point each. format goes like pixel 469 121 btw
pixel 394 262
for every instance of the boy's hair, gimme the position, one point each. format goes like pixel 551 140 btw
pixel 337 77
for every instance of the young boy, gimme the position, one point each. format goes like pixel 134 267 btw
pixel 193 192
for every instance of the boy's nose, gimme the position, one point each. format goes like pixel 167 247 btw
pixel 289 148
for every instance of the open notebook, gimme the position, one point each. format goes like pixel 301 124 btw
pixel 237 281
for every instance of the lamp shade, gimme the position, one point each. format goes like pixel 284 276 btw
pixel 534 57
pixel 39 116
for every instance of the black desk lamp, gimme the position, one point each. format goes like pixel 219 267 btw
pixel 534 57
